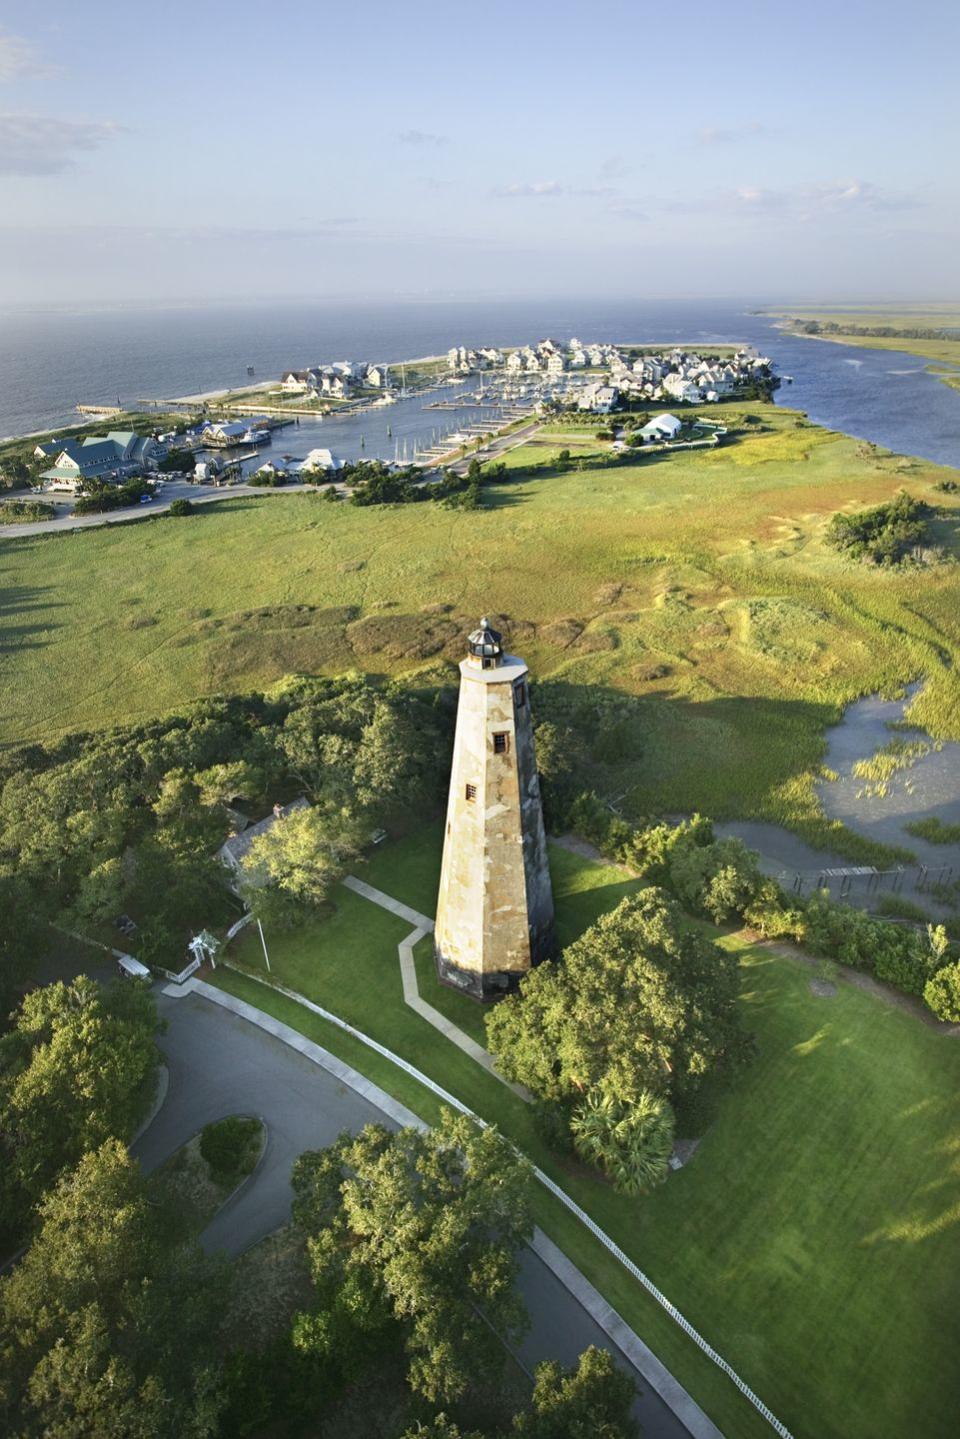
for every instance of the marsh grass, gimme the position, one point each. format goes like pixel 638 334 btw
pixel 695 586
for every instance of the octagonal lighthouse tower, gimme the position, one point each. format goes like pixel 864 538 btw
pixel 495 908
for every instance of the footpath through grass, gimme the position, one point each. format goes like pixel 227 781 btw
pixel 814 1236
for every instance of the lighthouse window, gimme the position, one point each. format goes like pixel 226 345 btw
pixel 501 743
pixel 471 791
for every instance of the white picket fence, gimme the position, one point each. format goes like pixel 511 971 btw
pixel 564 1198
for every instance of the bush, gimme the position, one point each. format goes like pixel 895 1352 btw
pixel 19 512
pixel 230 1147
pixel 885 534
pixel 942 993
pixel 182 507
pixel 630 1143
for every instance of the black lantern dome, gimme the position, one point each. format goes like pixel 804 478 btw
pixel 485 644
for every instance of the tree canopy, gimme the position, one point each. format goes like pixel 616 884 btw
pixel 108 1323
pixel 129 819
pixel 76 1068
pixel 639 1002
pixel 419 1230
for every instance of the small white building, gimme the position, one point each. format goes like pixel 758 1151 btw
pixel 270 469
pixel 321 459
pixel 661 427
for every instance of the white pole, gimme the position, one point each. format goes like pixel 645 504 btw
pixel 264 943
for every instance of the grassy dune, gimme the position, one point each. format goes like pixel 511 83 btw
pixel 692 589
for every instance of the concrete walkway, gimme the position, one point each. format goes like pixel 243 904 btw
pixel 411 990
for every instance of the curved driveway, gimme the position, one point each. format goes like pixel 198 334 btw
pixel 220 1064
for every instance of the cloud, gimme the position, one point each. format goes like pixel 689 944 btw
pixel 614 167
pixel 530 189
pixel 551 189
pixel 43 145
pixel 18 60
pixel 800 203
pixel 433 183
pixel 421 137
pixel 733 134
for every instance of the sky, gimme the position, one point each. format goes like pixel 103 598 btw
pixel 209 150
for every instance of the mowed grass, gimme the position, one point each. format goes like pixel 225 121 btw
pixel 814 1237
pixel 694 589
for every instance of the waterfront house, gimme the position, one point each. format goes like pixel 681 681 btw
pixel 295 381
pixel 225 432
pixel 119 455
pixel 376 376
pixel 270 469
pixel 321 459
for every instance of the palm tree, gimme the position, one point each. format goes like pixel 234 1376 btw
pixel 631 1143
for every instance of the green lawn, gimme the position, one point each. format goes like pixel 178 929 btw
pixel 813 1238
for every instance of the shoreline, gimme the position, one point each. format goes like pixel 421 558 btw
pixel 206 397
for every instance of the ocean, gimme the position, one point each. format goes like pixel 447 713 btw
pixel 50 360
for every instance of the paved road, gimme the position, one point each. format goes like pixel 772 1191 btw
pixel 497 447
pixel 172 490
pixel 220 1064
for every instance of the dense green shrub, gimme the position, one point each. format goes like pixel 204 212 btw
pixel 630 1143
pixel 182 507
pixel 942 993
pixel 904 957
pixel 230 1147
pixel 886 534
pixel 20 512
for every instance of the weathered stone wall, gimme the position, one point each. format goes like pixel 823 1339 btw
pixel 495 908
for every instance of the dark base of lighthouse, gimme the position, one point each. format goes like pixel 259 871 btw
pixel 489 987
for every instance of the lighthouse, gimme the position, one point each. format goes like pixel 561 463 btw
pixel 495 908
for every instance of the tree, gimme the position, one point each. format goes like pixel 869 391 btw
pixel 592 1401
pixel 76 1068
pixel 108 1326
pixel 631 1143
pixel 180 508
pixel 561 761
pixel 420 1230
pixel 942 993
pixel 718 879
pixel 440 1427
pixel 302 856
pixel 639 1001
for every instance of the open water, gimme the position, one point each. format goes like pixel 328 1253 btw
pixel 52 359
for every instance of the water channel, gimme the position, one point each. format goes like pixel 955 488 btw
pixel 928 786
